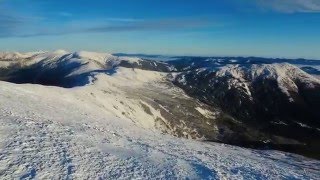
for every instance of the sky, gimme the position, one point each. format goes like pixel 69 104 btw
pixel 268 28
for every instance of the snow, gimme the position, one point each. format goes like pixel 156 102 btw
pixel 90 61
pixel 49 56
pixel 16 55
pixel 56 133
pixel 99 57
pixel 131 59
pixel 183 79
pixel 206 113
pixel 285 74
pixel 99 131
pixel 7 58
pixel 238 79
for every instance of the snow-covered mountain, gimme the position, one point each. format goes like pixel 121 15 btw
pixel 106 116
pixel 265 102
pixel 61 68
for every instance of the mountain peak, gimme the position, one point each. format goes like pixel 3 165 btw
pixel 92 55
pixel 60 51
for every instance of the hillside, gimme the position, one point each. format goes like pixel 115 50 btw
pixel 130 117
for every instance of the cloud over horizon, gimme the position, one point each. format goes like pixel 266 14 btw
pixel 250 27
pixel 19 25
pixel 9 23
pixel 290 6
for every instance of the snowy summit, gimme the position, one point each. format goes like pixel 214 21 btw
pixel 87 115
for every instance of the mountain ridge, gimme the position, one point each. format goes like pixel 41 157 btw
pixel 223 100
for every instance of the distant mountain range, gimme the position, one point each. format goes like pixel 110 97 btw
pixel 245 101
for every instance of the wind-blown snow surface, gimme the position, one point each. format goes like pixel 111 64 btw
pixel 56 133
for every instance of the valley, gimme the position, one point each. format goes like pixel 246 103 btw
pixel 64 113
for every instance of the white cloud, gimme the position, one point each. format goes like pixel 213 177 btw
pixel 291 6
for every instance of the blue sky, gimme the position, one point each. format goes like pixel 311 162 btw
pixel 271 28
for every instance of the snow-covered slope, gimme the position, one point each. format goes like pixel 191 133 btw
pixel 94 59
pixel 51 132
pixel 153 105
pixel 267 102
pixel 286 75
pixel 68 69
pixel 17 55
pixel 117 116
